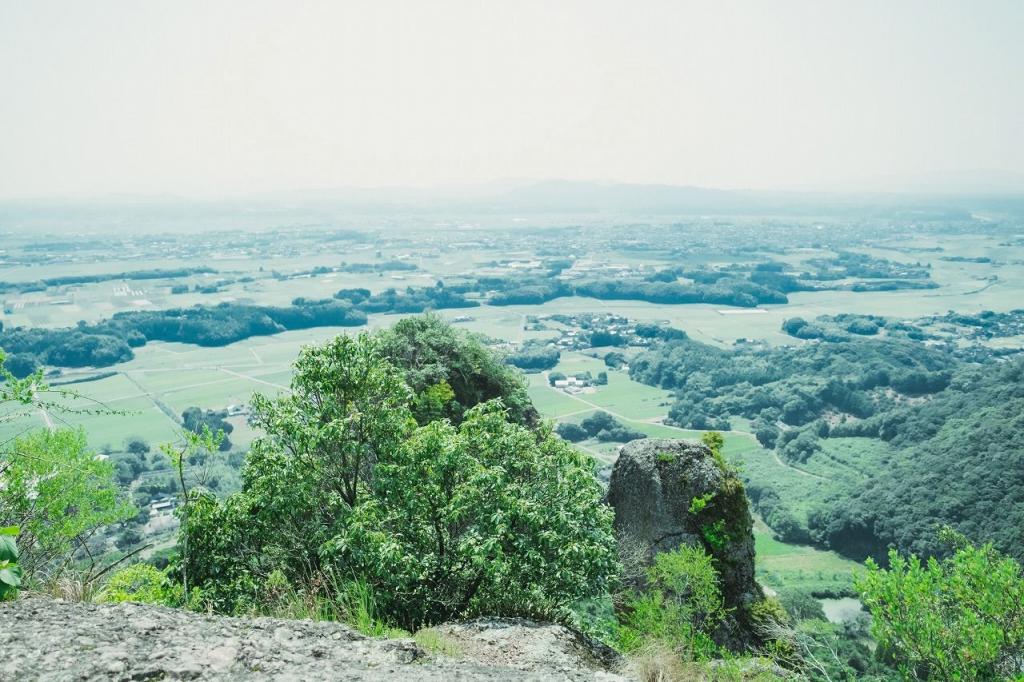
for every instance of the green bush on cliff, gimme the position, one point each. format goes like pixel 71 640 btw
pixel 680 608
pixel 143 584
pixel 961 618
pixel 439 521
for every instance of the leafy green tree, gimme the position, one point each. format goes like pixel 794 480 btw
pixel 960 618
pixel 136 446
pixel 429 351
pixel 58 494
pixel 614 359
pixel 179 455
pixel 573 433
pixel 435 402
pixel 128 539
pixel 347 408
pixel 484 518
pixel 143 584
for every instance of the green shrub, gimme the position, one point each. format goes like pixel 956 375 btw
pixel 141 583
pixel 801 605
pixel 436 522
pixel 698 504
pixel 10 572
pixel 680 609
pixel 961 618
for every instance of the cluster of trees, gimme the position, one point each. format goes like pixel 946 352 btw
pixel 951 455
pixel 409 300
pixel 736 292
pixel 850 265
pixel 437 359
pixel 793 385
pixel 31 348
pixel 957 463
pixel 111 341
pixel 196 419
pixel 346 493
pixel 721 288
pixel 534 356
pixel 526 292
pixel 987 324
pixel 66 280
pixel 601 426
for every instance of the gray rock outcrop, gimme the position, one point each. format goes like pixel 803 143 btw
pixel 653 489
pixel 43 639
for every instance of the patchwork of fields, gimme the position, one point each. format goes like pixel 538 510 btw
pixel 146 396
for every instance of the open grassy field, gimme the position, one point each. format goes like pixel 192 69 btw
pixel 781 565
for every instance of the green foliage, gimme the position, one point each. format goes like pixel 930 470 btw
pixel 716 535
pixel 434 403
pixel 143 584
pixel 607 428
pixel 487 517
pixel 666 457
pixel 59 494
pixel 347 409
pixel 534 356
pixel 698 503
pixel 555 376
pixel 10 571
pixel 430 351
pixel 800 604
pixel 973 432
pixel 573 433
pixel 197 421
pixel 437 643
pixel 715 442
pixel 961 618
pixel 111 341
pixel 876 493
pixel 680 608
pixel 136 446
pixel 192 444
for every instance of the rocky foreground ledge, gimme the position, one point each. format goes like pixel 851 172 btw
pixel 43 639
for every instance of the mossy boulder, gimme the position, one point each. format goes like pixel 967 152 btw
pixel 667 493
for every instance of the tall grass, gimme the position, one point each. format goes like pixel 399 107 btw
pixel 352 602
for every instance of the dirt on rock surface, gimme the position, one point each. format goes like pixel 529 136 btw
pixel 44 639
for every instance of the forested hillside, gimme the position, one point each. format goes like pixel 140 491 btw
pixel 960 462
pixel 946 418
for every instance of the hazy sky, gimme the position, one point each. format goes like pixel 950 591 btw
pixel 208 98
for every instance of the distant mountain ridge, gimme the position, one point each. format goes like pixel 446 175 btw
pixel 551 197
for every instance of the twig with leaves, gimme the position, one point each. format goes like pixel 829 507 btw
pixel 191 443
